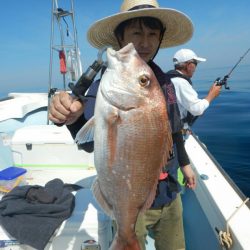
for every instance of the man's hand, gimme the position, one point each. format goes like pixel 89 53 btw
pixel 214 91
pixel 189 176
pixel 64 109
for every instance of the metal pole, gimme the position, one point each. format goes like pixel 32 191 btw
pixel 75 39
pixel 51 57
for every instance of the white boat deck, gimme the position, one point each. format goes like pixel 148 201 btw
pixel 87 221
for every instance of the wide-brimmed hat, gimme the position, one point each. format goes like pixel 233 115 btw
pixel 179 28
pixel 185 55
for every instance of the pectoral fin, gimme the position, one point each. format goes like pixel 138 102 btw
pixel 86 133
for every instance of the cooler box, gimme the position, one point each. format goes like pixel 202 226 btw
pixel 48 146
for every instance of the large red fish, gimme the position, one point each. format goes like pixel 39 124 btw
pixel 132 140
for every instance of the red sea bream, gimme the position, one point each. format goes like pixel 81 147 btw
pixel 132 140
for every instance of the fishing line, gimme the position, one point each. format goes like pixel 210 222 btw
pixel 224 80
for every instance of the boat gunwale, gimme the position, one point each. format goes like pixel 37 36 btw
pixel 222 171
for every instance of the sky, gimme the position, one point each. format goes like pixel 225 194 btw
pixel 221 35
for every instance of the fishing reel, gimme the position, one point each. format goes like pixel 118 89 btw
pixel 221 82
pixel 86 79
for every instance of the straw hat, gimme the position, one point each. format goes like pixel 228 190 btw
pixel 179 28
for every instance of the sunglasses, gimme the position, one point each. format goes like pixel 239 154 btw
pixel 194 62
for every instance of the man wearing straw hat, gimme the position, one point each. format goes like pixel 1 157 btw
pixel 149 28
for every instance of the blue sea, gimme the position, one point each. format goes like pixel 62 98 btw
pixel 225 125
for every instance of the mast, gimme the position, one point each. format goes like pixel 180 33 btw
pixel 63 43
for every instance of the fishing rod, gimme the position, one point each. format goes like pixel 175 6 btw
pixel 84 82
pixel 223 81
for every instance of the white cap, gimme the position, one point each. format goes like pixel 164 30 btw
pixel 184 55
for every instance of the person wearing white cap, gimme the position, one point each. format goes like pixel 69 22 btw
pixel 149 28
pixel 190 105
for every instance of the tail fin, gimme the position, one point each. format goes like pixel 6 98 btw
pixel 120 244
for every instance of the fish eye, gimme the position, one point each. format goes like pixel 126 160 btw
pixel 144 80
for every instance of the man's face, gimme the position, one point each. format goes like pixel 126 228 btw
pixel 190 68
pixel 145 40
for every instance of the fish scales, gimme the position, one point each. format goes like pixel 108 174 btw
pixel 132 141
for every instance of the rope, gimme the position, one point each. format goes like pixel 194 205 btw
pixel 225 237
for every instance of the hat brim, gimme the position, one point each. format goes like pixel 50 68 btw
pixel 179 28
pixel 200 59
